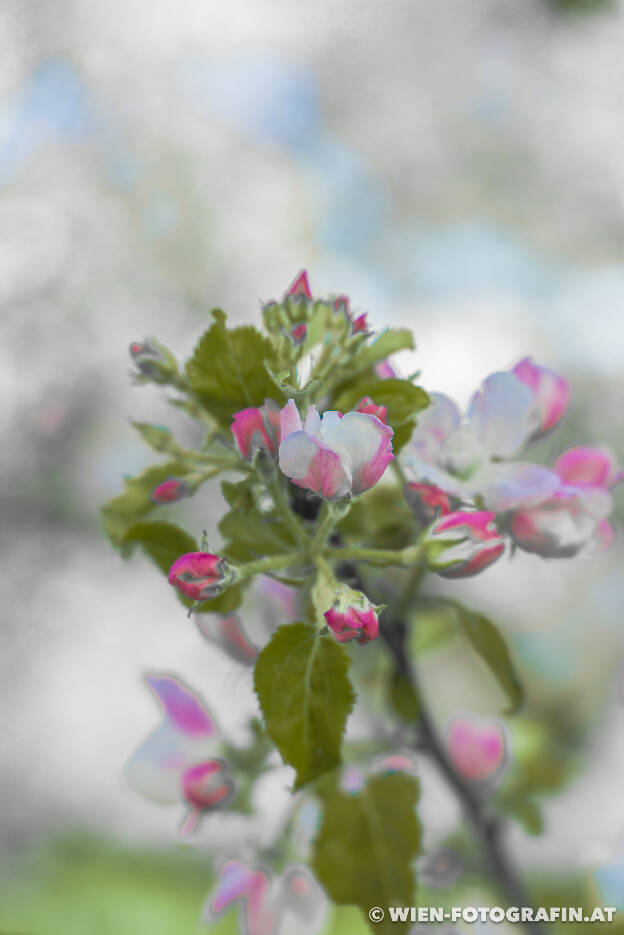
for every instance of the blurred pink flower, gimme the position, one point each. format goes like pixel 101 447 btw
pixel 476 749
pixel 227 632
pixel 334 455
pixel 170 491
pixel 265 901
pixel 176 763
pixel 575 517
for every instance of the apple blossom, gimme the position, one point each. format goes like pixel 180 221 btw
pixel 575 517
pixel 427 502
pixel 334 455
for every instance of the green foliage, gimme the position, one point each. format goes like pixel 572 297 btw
pixel 163 542
pixel 380 518
pixel 367 843
pixel 490 646
pixel 252 533
pixel 227 370
pixel 119 514
pixel 389 342
pixel 305 695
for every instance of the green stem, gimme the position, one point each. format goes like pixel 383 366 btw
pixel 405 558
pixel 324 528
pixel 271 563
pixel 282 505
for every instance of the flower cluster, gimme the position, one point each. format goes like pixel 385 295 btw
pixel 461 472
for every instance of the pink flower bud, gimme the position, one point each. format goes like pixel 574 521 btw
pixel 342 305
pixel 169 491
pixel 359 324
pixel 367 405
pixel 473 543
pixel 551 394
pixel 354 620
pixel 300 286
pixel 476 749
pixel 198 575
pixel 427 502
pixel 151 361
pixel 257 428
pixel 298 333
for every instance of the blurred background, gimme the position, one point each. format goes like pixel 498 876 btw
pixel 453 165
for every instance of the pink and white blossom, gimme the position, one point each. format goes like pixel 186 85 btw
pixel 574 518
pixel 334 455
pixel 468 457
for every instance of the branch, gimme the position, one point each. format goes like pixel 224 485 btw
pixel 487 828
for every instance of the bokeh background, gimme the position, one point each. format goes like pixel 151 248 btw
pixel 453 165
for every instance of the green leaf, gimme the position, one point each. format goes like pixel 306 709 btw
pixel 227 369
pixel 301 682
pixel 157 437
pixel 119 514
pixel 401 398
pixel 380 518
pixel 163 542
pixel 252 534
pixel 367 843
pixel 389 342
pixel 431 628
pixel 525 811
pixel 490 646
